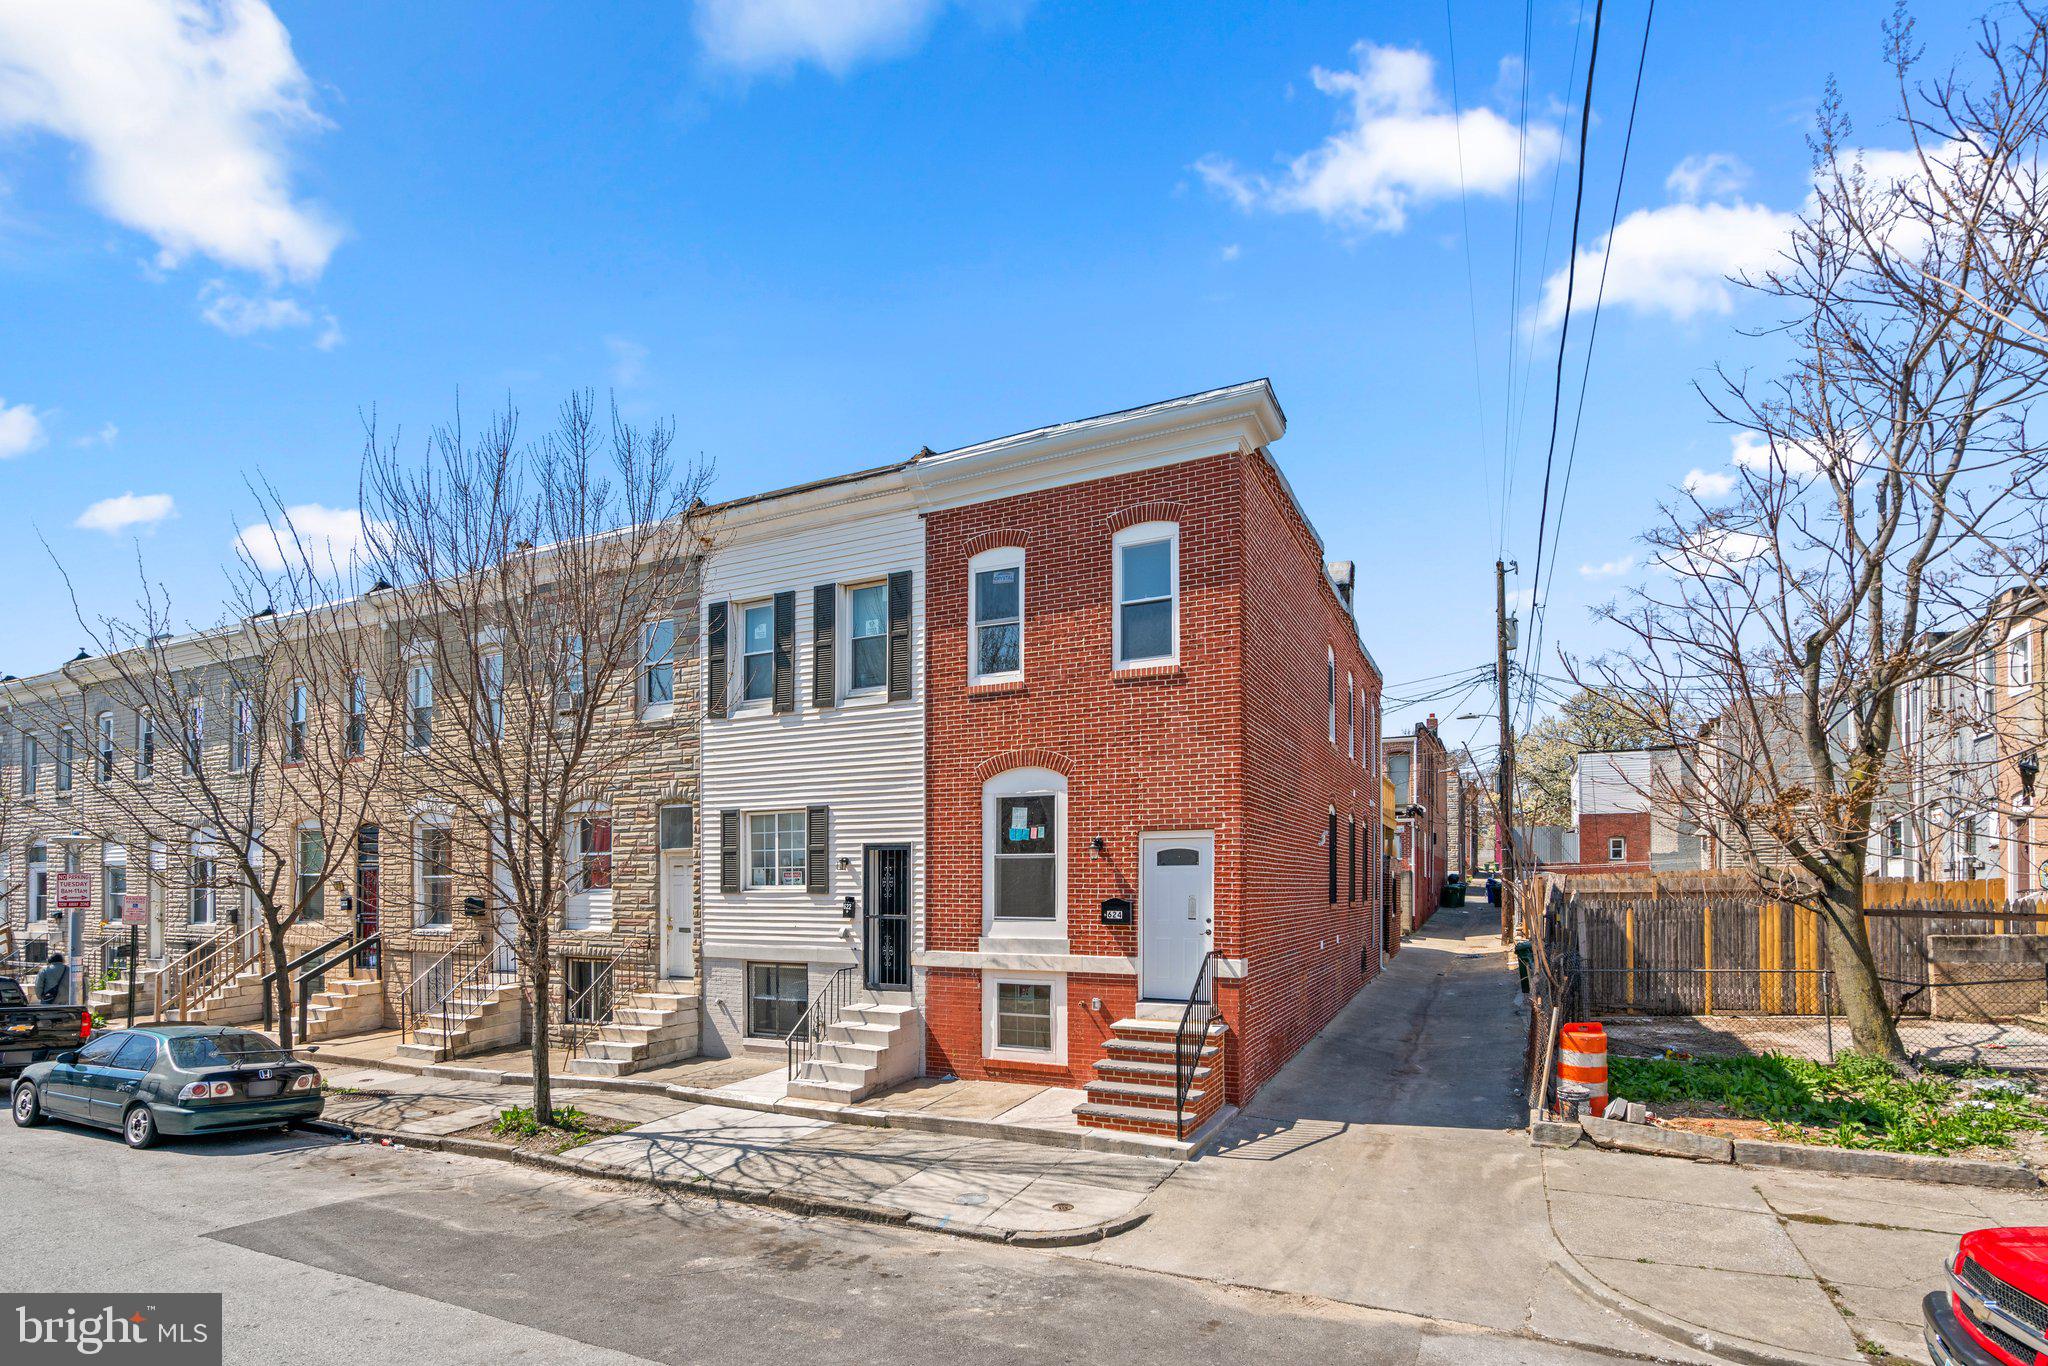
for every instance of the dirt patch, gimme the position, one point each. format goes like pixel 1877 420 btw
pixel 549 1141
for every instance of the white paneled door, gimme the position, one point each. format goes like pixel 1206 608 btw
pixel 678 915
pixel 1176 911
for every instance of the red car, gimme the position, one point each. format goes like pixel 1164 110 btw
pixel 1995 1310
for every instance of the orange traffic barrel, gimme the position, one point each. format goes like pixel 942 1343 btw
pixel 1582 1067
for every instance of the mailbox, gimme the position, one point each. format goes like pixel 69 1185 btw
pixel 1116 911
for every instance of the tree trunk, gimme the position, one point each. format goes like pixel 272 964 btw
pixel 281 983
pixel 543 1081
pixel 1872 1029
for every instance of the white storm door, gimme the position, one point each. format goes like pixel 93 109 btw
pixel 1176 912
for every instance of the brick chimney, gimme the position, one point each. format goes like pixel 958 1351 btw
pixel 1431 722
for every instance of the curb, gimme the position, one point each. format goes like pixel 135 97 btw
pixel 1653 1141
pixel 1686 1334
pixel 792 1204
pixel 1183 1151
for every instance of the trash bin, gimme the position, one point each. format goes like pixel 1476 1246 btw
pixel 1525 956
pixel 1454 890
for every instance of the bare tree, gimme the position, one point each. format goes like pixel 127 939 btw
pixel 245 747
pixel 534 592
pixel 1887 494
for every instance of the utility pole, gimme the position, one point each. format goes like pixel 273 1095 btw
pixel 1505 765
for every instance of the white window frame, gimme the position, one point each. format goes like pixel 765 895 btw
pixel 418 669
pixel 1024 782
pixel 1617 848
pixel 202 899
pixel 145 746
pixel 654 708
pixel 195 734
pixel 241 732
pixel 596 912
pixel 298 706
pixel 37 881
pixel 31 765
pixel 2019 664
pixel 421 924
pixel 990 984
pixel 356 740
pixel 103 760
pixel 490 679
pixel 750 843
pixel 848 687
pixel 113 856
pixel 740 656
pixel 1145 533
pixel 1001 557
pixel 319 896
pixel 1351 713
pixel 67 753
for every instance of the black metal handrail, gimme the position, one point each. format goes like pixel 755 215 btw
pixel 823 1012
pixel 589 1010
pixel 465 996
pixel 1186 1060
pixel 347 939
pixel 362 951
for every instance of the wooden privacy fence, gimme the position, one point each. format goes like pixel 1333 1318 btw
pixel 1704 948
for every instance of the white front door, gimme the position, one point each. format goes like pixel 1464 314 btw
pixel 506 917
pixel 1176 912
pixel 678 915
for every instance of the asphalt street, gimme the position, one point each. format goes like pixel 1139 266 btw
pixel 330 1252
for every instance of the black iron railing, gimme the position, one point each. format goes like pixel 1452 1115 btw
pixel 1187 1050
pixel 588 1010
pixel 821 1014
pixel 305 972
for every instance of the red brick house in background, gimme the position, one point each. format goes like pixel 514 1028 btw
pixel 1418 764
pixel 1628 814
pixel 1150 758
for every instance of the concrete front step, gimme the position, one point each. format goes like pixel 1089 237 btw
pixel 1161 1073
pixel 1144 1050
pixel 830 1092
pixel 1131 1119
pixel 1141 1095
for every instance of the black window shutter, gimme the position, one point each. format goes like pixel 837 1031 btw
pixel 817 849
pixel 1353 839
pixel 785 651
pixel 1332 842
pixel 714 649
pixel 899 635
pixel 824 644
pixel 728 851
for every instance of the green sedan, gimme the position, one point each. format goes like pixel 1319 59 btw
pixel 170 1079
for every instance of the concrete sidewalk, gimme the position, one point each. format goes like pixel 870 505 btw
pixel 974 1186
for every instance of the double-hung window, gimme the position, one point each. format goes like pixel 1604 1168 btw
pixel 658 663
pixel 295 726
pixel 433 857
pixel 31 765
pixel 104 724
pixel 38 881
pixel 2019 664
pixel 1333 695
pixel 64 744
pixel 358 715
pixel 312 872
pixel 1617 849
pixel 114 874
pixel 1024 1016
pixel 195 733
pixel 145 745
pixel 869 608
pixel 1021 842
pixel 241 729
pixel 490 711
pixel 996 633
pixel 757 652
pixel 776 997
pixel 419 706
pixel 1148 594
pixel 200 874
pixel 1351 715
pixel 775 848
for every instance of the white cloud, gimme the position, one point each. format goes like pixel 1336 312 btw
pixel 116 515
pixel 239 314
pixel 1712 175
pixel 1231 251
pixel 1714 552
pixel 21 430
pixel 332 538
pixel 775 35
pixel 183 110
pixel 1709 484
pixel 1609 569
pixel 1399 145
pixel 105 436
pixel 1676 260
pixel 629 361
pixel 330 333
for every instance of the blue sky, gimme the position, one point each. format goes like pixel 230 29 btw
pixel 820 235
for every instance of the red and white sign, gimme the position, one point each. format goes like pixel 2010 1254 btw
pixel 71 891
pixel 135 908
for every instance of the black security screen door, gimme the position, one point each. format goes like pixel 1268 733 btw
pixel 888 917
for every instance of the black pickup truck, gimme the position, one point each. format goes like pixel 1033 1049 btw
pixel 30 1033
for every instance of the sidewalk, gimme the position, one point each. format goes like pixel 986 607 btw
pixel 978 1187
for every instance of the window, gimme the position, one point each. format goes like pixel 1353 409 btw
pixel 588 875
pixel 1023 870
pixel 657 663
pixel 757 652
pixel 432 856
pixel 1024 1016
pixel 586 990
pixel 1352 840
pixel 145 745
pixel 195 734
pixel 490 712
pixel 64 760
pixel 358 715
pixel 1895 838
pixel 31 765
pixel 1987 701
pixel 1332 691
pixel 1330 844
pixel 1148 594
pixel 138 1054
pixel 776 997
pixel 571 692
pixel 677 827
pixel 996 633
pixel 200 873
pixel 2019 665
pixel 312 870
pixel 104 724
pixel 114 875
pixel 419 703
pixel 869 607
pixel 1351 715
pixel 775 848
pixel 295 726
pixel 1617 849
pixel 38 881
pixel 241 728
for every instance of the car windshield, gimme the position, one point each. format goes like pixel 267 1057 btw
pixel 229 1048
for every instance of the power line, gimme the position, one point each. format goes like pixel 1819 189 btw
pixel 1498 517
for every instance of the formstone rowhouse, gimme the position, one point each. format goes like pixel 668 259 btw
pixel 1151 774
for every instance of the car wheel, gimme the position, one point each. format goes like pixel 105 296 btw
pixel 139 1129
pixel 28 1106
